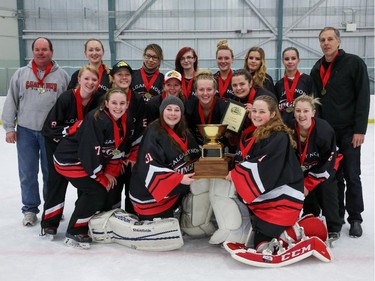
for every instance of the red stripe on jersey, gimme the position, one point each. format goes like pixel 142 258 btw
pixel 163 184
pixel 311 182
pixel 281 212
pixel 76 171
pixel 155 208
pixel 245 185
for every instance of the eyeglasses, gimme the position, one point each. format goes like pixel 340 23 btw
pixel 150 57
pixel 186 58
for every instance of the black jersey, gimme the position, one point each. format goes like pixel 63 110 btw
pixel 152 108
pixel 138 86
pixel 92 151
pixel 269 179
pixel 321 154
pixel 155 184
pixel 104 83
pixel 193 118
pixel 222 91
pixel 63 119
pixel 305 86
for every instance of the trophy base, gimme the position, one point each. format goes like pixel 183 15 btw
pixel 211 168
pixel 212 150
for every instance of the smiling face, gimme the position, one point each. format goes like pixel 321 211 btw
pixel 117 104
pixel 224 60
pixel 172 115
pixel 290 61
pixel 260 113
pixel 172 87
pixel 122 78
pixel 303 113
pixel 205 91
pixel 241 86
pixel 151 59
pixel 42 53
pixel 88 82
pixel 94 52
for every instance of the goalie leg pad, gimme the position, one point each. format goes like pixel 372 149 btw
pixel 197 211
pixel 99 228
pixel 231 214
pixel 127 230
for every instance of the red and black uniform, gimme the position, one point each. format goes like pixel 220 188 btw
pixel 136 111
pixel 62 121
pixel 301 85
pixel 319 160
pixel 268 84
pixel 103 86
pixel 155 186
pixel 147 83
pixel 194 115
pixel 152 108
pixel 269 180
pixel 224 87
pixel 97 148
pixel 188 87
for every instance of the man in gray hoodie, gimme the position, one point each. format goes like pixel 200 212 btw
pixel 32 93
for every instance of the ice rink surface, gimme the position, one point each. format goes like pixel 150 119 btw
pixel 24 256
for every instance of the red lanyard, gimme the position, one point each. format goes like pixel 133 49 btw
pixel 201 115
pixel 251 96
pixel 148 84
pixel 223 85
pixel 77 94
pixel 100 70
pixel 245 149
pixel 289 92
pixel 183 144
pixel 302 155
pixel 35 70
pixel 325 75
pixel 187 90
pixel 116 129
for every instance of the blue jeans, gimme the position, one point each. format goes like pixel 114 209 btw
pixel 30 148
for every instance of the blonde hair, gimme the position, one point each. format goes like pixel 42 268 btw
pixel 275 124
pixel 259 75
pixel 107 96
pixel 204 74
pixel 305 98
pixel 223 45
pixel 106 68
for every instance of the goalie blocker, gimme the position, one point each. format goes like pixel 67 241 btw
pixel 125 229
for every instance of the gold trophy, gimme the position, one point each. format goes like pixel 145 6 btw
pixel 212 164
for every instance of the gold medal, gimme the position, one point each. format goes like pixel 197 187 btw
pixel 324 91
pixel 148 96
pixel 41 90
pixel 303 168
pixel 116 152
pixel 289 109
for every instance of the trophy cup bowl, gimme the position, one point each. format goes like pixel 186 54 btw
pixel 212 132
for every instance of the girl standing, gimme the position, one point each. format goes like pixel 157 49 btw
pixel 224 60
pixel 186 63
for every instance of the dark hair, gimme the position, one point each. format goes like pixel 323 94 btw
pixel 107 96
pixel 179 55
pixel 49 43
pixel 291 49
pixel 243 72
pixel 180 128
pixel 156 48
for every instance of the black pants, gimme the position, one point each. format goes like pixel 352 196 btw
pixel 348 177
pixel 56 190
pixel 124 180
pixel 324 197
pixel 93 198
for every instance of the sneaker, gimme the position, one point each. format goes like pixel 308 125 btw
pixel 355 229
pixel 29 219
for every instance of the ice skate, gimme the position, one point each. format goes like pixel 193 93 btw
pixel 332 238
pixel 78 241
pixel 49 232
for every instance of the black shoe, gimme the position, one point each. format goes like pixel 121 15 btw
pixel 355 229
pixel 50 230
pixel 80 238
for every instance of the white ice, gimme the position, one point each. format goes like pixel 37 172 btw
pixel 24 256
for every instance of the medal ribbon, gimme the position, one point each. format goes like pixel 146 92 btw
pixel 116 129
pixel 325 75
pixel 183 144
pixel 46 72
pixel 289 92
pixel 251 96
pixel 223 85
pixel 100 70
pixel 187 90
pixel 245 149
pixel 77 94
pixel 302 155
pixel 148 84
pixel 201 115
